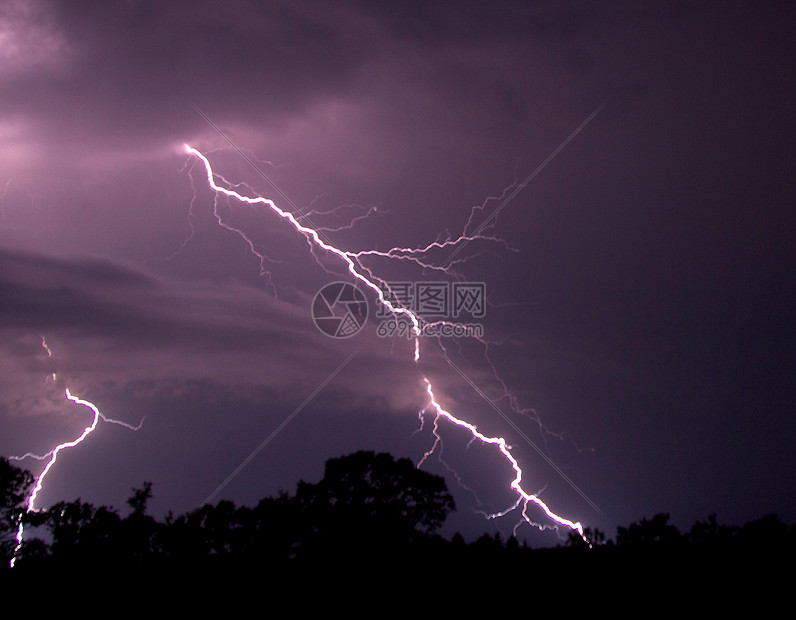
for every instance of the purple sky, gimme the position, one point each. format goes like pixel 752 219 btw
pixel 645 306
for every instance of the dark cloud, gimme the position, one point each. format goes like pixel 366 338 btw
pixel 119 323
pixel 134 68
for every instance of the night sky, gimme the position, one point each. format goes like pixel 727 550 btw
pixel 640 301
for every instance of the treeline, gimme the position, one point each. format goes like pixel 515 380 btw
pixel 369 512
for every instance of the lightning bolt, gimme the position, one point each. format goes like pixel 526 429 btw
pixel 353 263
pixel 364 213
pixel 311 234
pixel 500 442
pixel 52 456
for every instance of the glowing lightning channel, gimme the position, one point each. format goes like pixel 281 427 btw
pixel 31 507
pixel 356 269
pixel 311 235
pixel 504 449
pixel 53 454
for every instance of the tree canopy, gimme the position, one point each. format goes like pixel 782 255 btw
pixel 377 492
pixel 15 484
pixel 369 509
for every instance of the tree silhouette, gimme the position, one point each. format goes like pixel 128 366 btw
pixel 766 534
pixel 73 537
pixel 710 534
pixel 656 532
pixel 278 524
pixel 595 536
pixel 371 516
pixel 15 484
pixel 139 529
pixel 369 500
pixel 139 500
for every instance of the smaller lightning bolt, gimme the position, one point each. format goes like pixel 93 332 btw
pixel 524 496
pixel 46 347
pixel 31 507
pixel 436 448
pixel 53 454
pixel 419 255
pixel 340 211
